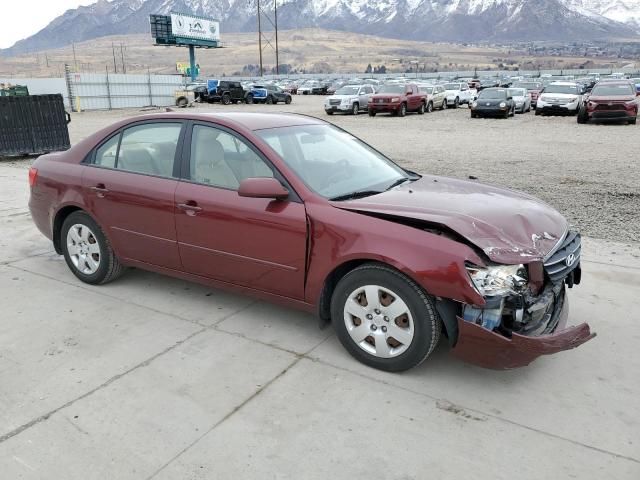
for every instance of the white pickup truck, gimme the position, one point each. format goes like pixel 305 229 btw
pixel 459 92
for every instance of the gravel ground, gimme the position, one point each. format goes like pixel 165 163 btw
pixel 590 173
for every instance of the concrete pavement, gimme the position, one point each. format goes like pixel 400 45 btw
pixel 152 377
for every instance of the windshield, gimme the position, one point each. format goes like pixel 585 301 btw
pixel 331 162
pixel 427 90
pixel 567 89
pixel 352 90
pixel 452 86
pixel 612 90
pixel 392 89
pixel 493 94
pixel 517 92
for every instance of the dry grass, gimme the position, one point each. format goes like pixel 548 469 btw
pixel 307 49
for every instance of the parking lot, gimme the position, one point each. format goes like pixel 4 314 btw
pixel 152 377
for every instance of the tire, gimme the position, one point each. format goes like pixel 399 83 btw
pixel 416 320
pixel 403 110
pixel 538 112
pixel 182 102
pixel 226 99
pixel 329 112
pixel 355 108
pixel 287 100
pixel 473 115
pixel 583 116
pixel 269 100
pixel 372 113
pixel 445 105
pixel 456 103
pixel 88 233
pixel 430 107
pixel 249 99
pixel 633 121
pixel 422 109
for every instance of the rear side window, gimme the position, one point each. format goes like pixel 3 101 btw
pixel 149 148
pixel 106 154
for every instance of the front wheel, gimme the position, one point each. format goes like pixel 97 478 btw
pixel 372 113
pixel 226 99
pixel 355 109
pixel 287 100
pixel 456 103
pixel 384 319
pixel 445 105
pixel 403 110
pixel 430 107
pixel 87 251
pixel 422 109
pixel 249 99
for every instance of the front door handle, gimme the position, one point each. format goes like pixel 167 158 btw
pixel 190 207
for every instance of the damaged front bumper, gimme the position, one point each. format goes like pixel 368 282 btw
pixel 488 349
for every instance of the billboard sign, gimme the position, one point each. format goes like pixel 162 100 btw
pixel 197 28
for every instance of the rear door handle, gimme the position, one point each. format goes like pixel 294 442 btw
pixel 99 189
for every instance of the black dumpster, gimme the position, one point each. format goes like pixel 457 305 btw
pixel 33 125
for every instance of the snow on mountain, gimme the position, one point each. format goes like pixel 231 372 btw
pixel 432 20
pixel 623 11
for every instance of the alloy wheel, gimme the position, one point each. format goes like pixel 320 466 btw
pixel 83 248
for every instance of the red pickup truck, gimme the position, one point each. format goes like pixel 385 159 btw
pixel 397 100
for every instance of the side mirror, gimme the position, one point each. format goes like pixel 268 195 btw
pixel 262 188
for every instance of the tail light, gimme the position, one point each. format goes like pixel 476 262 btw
pixel 33 175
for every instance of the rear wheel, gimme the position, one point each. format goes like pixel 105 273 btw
pixel 456 102
pixel 329 112
pixel 182 102
pixel 445 105
pixel 249 99
pixel 384 319
pixel 422 109
pixel 87 251
pixel 287 100
pixel 226 99
pixel 583 116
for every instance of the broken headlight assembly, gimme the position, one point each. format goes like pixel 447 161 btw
pixel 498 280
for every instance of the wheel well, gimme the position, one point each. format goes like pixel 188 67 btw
pixel 61 216
pixel 324 304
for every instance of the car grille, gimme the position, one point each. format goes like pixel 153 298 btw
pixel 565 259
pixel 615 106
pixel 334 102
pixel 381 100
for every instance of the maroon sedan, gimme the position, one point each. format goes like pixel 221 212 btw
pixel 297 211
pixel 610 101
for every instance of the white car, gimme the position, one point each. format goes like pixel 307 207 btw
pixel 436 96
pixel 349 99
pixel 559 97
pixel 459 92
pixel 522 99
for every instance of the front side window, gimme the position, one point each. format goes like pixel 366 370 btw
pixel 223 160
pixel 330 161
pixel 149 148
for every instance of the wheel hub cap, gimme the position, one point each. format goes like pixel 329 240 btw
pixel 379 321
pixel 83 248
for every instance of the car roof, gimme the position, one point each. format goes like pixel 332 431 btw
pixel 565 84
pixel 248 120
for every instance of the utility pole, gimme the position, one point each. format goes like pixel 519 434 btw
pixel 124 67
pixel 275 13
pixel 75 61
pixel 115 66
pixel 260 35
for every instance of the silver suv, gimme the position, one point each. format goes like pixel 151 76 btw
pixel 349 99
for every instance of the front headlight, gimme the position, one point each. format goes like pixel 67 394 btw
pixel 395 100
pixel 573 99
pixel 498 280
pixel 474 104
pixel 503 105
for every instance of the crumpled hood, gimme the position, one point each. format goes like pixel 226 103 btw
pixel 510 227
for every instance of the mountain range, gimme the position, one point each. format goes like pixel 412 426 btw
pixel 428 20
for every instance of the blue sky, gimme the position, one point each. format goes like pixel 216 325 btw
pixel 23 18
